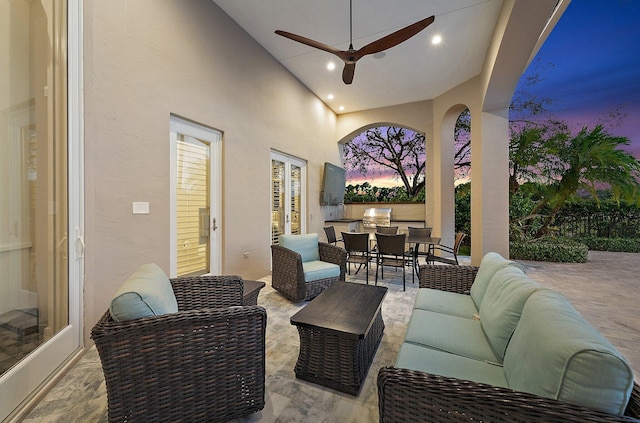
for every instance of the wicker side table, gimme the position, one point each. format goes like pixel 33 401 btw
pixel 340 331
pixel 250 292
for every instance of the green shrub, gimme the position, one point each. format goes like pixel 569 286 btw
pixel 553 250
pixel 628 245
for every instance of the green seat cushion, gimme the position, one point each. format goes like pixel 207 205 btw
pixel 424 359
pixel 305 245
pixel 502 305
pixel 147 292
pixel 445 302
pixel 452 334
pixel 315 270
pixel 555 353
pixel 490 264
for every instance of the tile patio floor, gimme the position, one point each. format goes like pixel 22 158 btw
pixel 606 291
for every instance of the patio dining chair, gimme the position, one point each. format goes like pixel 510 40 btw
pixel 357 246
pixel 432 257
pixel 330 231
pixel 421 232
pixel 392 252
pixel 387 230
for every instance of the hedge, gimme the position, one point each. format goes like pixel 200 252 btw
pixel 552 250
pixel 628 245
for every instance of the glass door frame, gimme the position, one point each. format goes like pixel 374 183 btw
pixel 36 372
pixel 214 138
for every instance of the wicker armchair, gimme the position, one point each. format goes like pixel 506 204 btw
pixel 205 363
pixel 287 275
pixel 412 396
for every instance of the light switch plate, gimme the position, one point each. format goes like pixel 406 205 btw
pixel 140 207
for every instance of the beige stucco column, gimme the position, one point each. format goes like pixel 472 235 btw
pixel 440 198
pixel 490 186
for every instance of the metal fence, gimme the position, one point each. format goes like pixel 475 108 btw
pixel 602 224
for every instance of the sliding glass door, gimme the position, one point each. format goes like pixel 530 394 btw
pixel 37 333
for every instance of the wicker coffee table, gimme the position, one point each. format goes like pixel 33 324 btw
pixel 340 331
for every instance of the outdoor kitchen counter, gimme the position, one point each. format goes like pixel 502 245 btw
pixel 355 225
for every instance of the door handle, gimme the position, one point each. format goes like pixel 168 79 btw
pixel 214 226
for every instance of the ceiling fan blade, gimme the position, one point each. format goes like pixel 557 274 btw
pixel 394 38
pixel 311 43
pixel 348 72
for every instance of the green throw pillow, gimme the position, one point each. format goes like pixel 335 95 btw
pixel 147 292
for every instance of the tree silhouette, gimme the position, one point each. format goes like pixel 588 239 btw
pixel 590 160
pixel 389 150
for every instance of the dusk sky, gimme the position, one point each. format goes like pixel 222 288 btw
pixel 589 67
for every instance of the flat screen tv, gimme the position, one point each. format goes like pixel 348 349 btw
pixel 333 184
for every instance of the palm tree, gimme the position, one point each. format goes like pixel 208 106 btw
pixel 590 160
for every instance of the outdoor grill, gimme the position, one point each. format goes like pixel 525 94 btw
pixel 376 217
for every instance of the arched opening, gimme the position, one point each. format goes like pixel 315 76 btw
pixel 453 148
pixel 385 162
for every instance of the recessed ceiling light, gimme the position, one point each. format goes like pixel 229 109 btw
pixel 330 96
pixel 436 39
pixel 341 108
pixel 331 66
pixel 379 55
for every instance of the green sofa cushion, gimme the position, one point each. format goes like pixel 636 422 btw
pixel 305 245
pixel 455 335
pixel 147 292
pixel 490 264
pixel 445 302
pixel 424 359
pixel 555 353
pixel 316 269
pixel 502 305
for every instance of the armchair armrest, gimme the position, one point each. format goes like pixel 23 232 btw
pixel 200 292
pixel 287 275
pixel 412 396
pixel 334 254
pixel 448 278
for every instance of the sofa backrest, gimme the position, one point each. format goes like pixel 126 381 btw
pixel 556 354
pixel 305 245
pixel 490 264
pixel 504 299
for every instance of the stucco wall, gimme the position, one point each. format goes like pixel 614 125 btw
pixel 147 59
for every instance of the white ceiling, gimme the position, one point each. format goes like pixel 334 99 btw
pixel 412 71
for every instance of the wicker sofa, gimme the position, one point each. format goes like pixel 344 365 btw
pixel 302 267
pixel 489 344
pixel 196 355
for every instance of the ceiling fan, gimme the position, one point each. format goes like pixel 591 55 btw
pixel 351 56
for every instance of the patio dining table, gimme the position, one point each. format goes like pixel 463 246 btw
pixel 414 242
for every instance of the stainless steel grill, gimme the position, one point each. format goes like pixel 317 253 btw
pixel 376 217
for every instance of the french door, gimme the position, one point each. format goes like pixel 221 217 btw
pixel 288 195
pixel 195 199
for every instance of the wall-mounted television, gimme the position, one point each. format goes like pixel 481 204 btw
pixel 333 184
